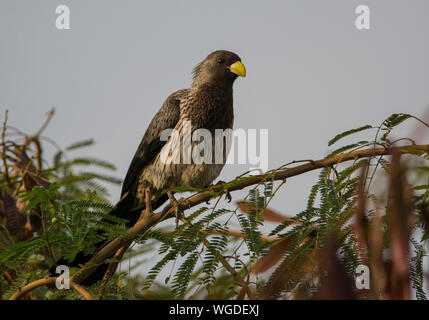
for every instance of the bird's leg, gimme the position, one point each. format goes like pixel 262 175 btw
pixel 178 213
pixel 147 197
pixel 228 196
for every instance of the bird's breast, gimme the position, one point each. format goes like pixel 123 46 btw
pixel 209 107
pixel 190 157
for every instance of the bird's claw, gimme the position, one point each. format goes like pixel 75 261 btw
pixel 178 214
pixel 175 204
pixel 228 196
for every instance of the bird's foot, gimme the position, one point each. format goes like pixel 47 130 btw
pixel 227 193
pixel 148 210
pixel 175 204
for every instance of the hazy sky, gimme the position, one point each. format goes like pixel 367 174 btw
pixel 311 73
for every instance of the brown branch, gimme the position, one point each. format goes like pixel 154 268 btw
pixel 31 286
pixel 35 139
pixel 294 171
pixel 148 221
pixel 244 284
pixel 81 291
pixel 45 124
pixel 46 281
pixel 29 139
pixel 238 234
pixel 111 269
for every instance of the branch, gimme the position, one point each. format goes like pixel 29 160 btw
pixel 35 138
pixel 144 224
pixel 148 221
pixel 238 234
pixel 6 169
pixel 81 291
pixel 295 171
pixel 46 281
pixel 111 270
pixel 227 266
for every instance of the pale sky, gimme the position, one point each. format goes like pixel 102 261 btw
pixel 310 73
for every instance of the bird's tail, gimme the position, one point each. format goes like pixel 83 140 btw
pixel 124 209
pixel 127 209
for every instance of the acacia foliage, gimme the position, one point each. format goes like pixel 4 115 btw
pixel 57 208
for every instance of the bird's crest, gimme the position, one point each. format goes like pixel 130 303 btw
pixel 196 70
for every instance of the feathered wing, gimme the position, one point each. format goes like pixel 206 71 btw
pixel 167 117
pixel 150 145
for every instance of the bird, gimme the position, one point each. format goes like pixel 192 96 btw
pixel 206 104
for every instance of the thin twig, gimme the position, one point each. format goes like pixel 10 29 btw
pixel 238 234
pixel 45 233
pixel 225 263
pixel 28 139
pixel 31 286
pixel 81 291
pixel 6 169
pixel 23 175
pixel 111 269
pixel 45 124
pixel 47 281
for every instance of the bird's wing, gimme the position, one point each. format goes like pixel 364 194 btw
pixel 150 145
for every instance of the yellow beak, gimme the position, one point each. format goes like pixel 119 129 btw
pixel 238 68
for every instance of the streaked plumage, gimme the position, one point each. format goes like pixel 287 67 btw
pixel 208 104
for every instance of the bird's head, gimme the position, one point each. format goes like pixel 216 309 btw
pixel 220 67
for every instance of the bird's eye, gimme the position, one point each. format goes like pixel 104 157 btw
pixel 220 61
